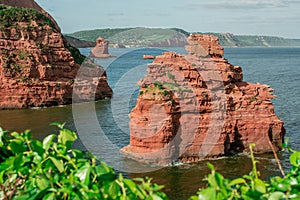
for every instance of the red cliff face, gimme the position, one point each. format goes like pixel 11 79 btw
pixel 196 106
pixel 38 66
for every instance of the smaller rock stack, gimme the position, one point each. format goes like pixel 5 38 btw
pixel 101 49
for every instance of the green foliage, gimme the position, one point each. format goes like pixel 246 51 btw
pixel 251 186
pixel 11 16
pixel 253 99
pixel 23 54
pixel 158 85
pixel 231 40
pixel 181 31
pixel 171 76
pixel 134 37
pixel 93 35
pixel 78 57
pixel 165 92
pixel 50 169
pixel 15 62
pixel 142 36
pixel 173 101
pixel 205 95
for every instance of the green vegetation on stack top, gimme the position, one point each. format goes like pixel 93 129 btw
pixel 144 36
pixel 10 16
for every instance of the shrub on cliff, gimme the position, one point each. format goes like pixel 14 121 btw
pixel 78 57
pixel 10 16
pixel 50 169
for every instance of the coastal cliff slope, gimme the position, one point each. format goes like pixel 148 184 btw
pixel 79 43
pixel 37 65
pixel 196 106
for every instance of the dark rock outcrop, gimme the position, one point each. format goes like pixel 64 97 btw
pixel 79 43
pixel 196 106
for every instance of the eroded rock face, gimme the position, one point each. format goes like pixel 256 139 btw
pixel 101 49
pixel 196 106
pixel 38 69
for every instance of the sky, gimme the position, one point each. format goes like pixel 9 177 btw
pixel 242 17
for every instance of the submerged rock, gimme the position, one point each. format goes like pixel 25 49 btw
pixel 150 57
pixel 194 107
pixel 119 46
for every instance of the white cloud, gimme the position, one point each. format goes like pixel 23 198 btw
pixel 242 4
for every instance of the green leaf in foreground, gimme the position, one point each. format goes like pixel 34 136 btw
pixel 50 169
pixel 66 137
pixel 295 159
pixel 84 173
pixel 58 164
pixel 30 169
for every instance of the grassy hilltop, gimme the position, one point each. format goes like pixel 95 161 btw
pixel 137 37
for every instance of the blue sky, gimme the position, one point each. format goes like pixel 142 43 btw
pixel 250 17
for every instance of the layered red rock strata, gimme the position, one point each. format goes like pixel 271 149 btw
pixel 196 106
pixel 38 67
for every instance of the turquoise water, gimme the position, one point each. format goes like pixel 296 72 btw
pixel 277 67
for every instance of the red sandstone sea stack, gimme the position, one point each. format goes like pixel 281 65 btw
pixel 194 107
pixel 101 49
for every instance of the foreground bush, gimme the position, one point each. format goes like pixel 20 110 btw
pixel 30 169
pixel 50 169
pixel 251 186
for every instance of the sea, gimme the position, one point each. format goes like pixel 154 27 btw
pixel 103 126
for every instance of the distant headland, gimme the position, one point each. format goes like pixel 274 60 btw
pixel 174 37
